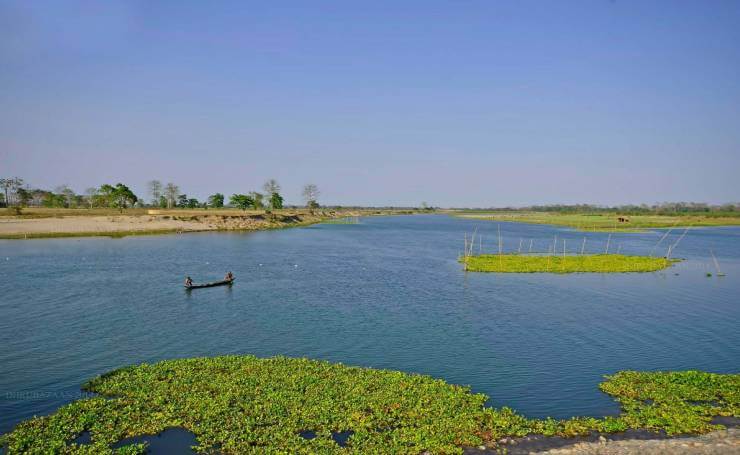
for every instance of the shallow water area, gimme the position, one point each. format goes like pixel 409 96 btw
pixel 171 440
pixel 385 293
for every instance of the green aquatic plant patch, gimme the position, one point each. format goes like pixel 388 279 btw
pixel 243 404
pixel 676 402
pixel 595 263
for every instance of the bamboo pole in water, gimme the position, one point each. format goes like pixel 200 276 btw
pixel 608 239
pixel 465 253
pixel 530 245
pixel 520 246
pixel 583 247
pixel 680 238
pixel 660 241
pixel 498 227
pixel 472 241
pixel 563 254
pixel 716 264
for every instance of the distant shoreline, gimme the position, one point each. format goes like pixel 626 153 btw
pixel 603 222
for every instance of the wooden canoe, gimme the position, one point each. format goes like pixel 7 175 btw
pixel 210 285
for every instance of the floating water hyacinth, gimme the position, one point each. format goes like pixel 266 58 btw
pixel 244 404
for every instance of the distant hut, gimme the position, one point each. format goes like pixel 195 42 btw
pixel 622 219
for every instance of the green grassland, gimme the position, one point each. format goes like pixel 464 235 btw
pixel 595 263
pixel 243 404
pixel 606 221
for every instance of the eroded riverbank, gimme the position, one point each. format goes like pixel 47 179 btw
pixel 19 227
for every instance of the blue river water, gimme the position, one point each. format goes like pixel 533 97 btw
pixel 384 293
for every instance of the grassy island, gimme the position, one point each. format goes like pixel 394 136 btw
pixel 595 263
pixel 243 404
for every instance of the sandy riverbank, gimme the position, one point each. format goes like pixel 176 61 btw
pixel 717 442
pixel 20 227
pixel 640 442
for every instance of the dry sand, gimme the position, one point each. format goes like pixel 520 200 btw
pixel 718 442
pixel 77 225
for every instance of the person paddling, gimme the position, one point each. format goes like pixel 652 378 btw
pixel 188 282
pixel 229 276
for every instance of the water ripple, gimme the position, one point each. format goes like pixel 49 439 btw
pixel 387 293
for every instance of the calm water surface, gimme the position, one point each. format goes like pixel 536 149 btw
pixel 386 293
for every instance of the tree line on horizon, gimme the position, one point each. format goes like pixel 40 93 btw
pixel 15 193
pixel 663 208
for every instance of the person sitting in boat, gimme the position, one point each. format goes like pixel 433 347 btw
pixel 229 276
pixel 188 282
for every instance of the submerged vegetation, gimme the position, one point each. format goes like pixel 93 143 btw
pixel 243 404
pixel 344 220
pixel 596 263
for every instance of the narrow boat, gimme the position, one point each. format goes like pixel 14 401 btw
pixel 210 285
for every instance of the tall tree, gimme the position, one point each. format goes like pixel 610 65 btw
pixel 271 187
pixel 6 184
pixel 37 197
pixel 67 193
pixel 119 196
pixel 155 190
pixel 105 194
pixel 53 200
pixel 123 196
pixel 310 195
pixel 216 200
pixel 17 184
pixel 276 201
pixel 182 200
pixel 170 192
pixel 24 196
pixel 10 185
pixel 91 193
pixel 241 201
pixel 258 198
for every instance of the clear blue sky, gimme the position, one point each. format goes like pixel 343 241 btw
pixel 459 103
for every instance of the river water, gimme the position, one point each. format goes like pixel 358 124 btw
pixel 384 293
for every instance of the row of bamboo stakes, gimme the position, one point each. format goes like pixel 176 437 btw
pixel 469 246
